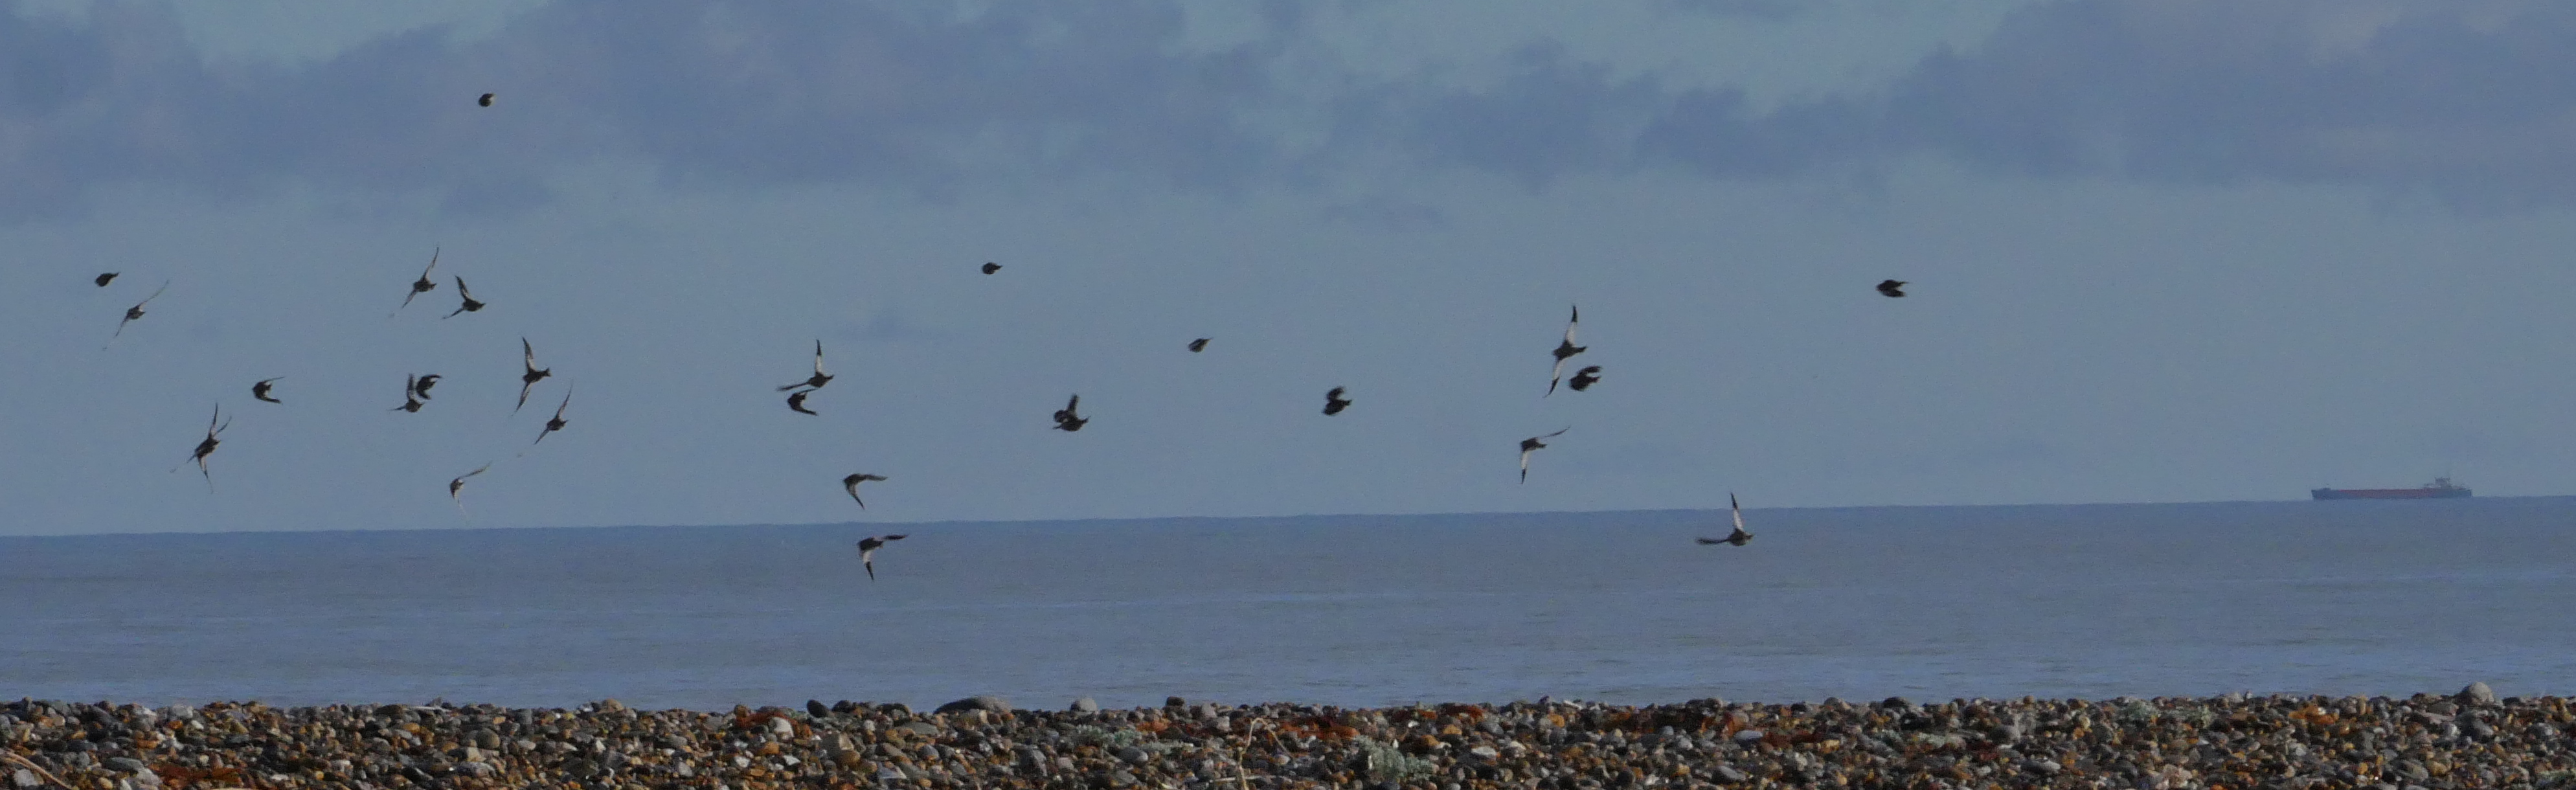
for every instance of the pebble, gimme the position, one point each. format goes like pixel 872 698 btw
pixel 2235 741
pixel 1084 705
pixel 2478 694
pixel 984 702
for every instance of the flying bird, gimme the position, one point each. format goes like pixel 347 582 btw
pixel 1198 345
pixel 868 551
pixel 1334 403
pixel 132 313
pixel 796 402
pixel 819 378
pixel 529 378
pixel 1585 378
pixel 471 305
pixel 427 380
pixel 103 279
pixel 1066 419
pixel 411 395
pixel 557 423
pixel 454 487
pixel 851 484
pixel 259 391
pixel 422 285
pixel 1532 445
pixel 485 101
pixel 207 447
pixel 1565 349
pixel 1893 289
pixel 1737 538
pixel 991 267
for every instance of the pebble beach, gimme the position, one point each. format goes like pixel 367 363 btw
pixel 2466 740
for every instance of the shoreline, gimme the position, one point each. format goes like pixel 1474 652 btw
pixel 2468 739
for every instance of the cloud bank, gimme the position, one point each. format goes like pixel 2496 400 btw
pixel 2471 101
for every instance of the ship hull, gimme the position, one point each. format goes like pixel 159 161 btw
pixel 2389 493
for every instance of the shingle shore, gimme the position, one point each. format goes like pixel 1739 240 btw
pixel 2470 739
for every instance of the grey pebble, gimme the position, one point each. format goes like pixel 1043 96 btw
pixel 127 764
pixel 983 702
pixel 1727 773
pixel 2478 694
pixel 1084 705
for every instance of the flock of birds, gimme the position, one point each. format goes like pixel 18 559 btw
pixel 1068 419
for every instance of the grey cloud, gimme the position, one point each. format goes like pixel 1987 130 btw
pixel 2474 101
pixel 714 93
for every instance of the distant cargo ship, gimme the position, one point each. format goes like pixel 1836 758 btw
pixel 2440 488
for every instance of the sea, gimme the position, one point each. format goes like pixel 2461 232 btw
pixel 1927 603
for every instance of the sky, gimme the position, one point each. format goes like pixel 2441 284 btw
pixel 2159 250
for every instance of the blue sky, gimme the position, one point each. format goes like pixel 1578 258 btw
pixel 2162 251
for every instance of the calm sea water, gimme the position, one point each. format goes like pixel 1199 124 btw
pixel 2087 601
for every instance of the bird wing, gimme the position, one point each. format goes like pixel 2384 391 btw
pixel 156 294
pixel 851 484
pixel 460 289
pixel 527 354
pixel 1071 405
pixel 567 402
pixel 818 357
pixel 458 484
pixel 1737 510
pixel 896 537
pixel 1555 375
pixel 1336 394
pixel 1559 432
pixel 433 264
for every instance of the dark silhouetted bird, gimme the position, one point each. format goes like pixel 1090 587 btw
pixel 485 101
pixel 207 446
pixel 1066 419
pixel 104 279
pixel 411 395
pixel 991 267
pixel 1198 345
pixel 796 402
pixel 470 305
pixel 456 486
pixel 851 484
pixel 1334 403
pixel 427 380
pixel 1737 538
pixel 1891 288
pixel 135 312
pixel 868 547
pixel 1532 445
pixel 259 391
pixel 422 285
pixel 1585 378
pixel 1565 349
pixel 557 422
pixel 529 375
pixel 819 378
